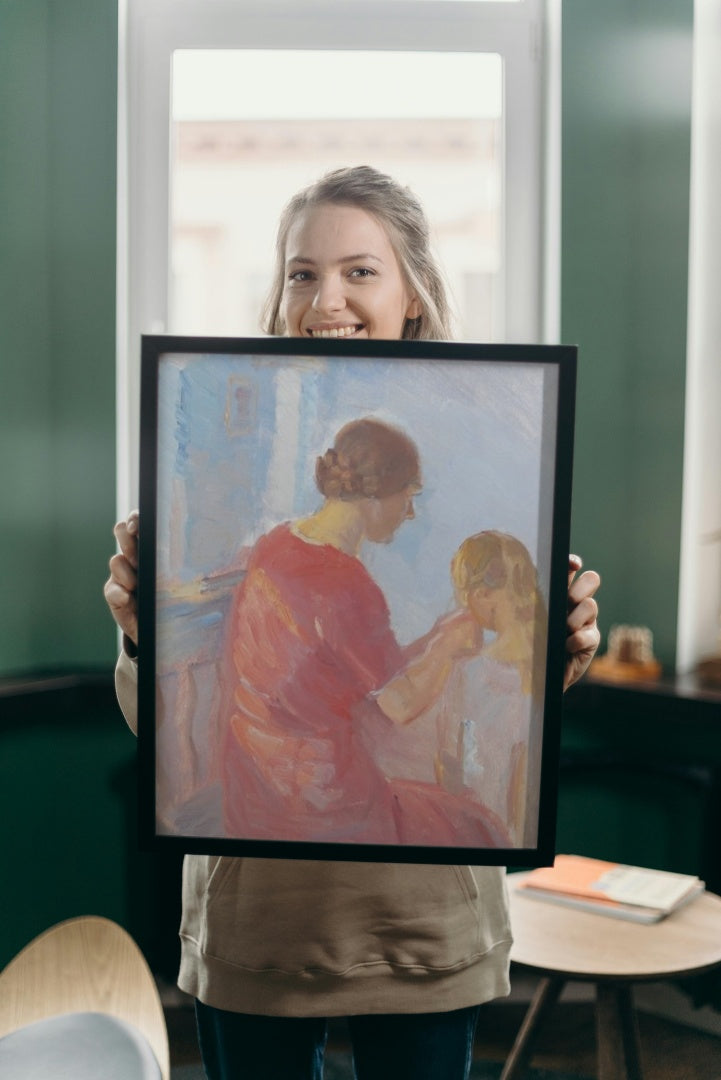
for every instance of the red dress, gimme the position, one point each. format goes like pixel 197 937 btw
pixel 310 642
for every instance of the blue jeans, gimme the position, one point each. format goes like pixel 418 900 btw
pixel 415 1046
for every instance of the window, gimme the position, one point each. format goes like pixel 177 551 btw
pixel 227 107
pixel 235 161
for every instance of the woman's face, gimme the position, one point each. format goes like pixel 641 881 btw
pixel 383 517
pixel 342 277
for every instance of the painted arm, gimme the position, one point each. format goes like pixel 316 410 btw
pixel 431 659
pixel 419 684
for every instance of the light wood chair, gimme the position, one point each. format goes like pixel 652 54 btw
pixel 87 965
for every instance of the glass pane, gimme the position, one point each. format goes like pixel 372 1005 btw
pixel 250 128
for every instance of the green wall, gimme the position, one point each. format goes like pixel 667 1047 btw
pixel 625 200
pixel 58 72
pixel 67 762
pixel 626 137
pixel 626 129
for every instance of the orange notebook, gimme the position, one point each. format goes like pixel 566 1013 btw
pixel 631 892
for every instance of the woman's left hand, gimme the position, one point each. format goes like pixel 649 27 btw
pixel 582 634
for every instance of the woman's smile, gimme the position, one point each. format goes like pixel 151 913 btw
pixel 334 331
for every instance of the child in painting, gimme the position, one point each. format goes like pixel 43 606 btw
pixel 270 947
pixel 488 719
pixel 312 649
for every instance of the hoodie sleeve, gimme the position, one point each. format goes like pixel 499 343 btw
pixel 126 688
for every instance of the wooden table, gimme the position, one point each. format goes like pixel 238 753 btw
pixel 563 944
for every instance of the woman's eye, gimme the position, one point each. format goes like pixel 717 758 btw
pixel 362 272
pixel 300 276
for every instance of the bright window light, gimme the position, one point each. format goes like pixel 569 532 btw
pixel 434 121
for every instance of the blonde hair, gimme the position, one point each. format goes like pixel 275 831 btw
pixel 497 560
pixel 402 216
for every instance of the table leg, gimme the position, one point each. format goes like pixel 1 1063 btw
pixel 617 1033
pixel 545 997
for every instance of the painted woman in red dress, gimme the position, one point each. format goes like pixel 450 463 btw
pixel 312 650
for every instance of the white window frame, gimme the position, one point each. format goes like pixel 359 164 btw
pixel 526 34
pixel 699 597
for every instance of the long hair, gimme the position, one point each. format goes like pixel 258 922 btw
pixel 402 216
pixel 496 560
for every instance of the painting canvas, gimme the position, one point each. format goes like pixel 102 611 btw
pixel 353 573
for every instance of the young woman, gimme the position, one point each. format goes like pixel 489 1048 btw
pixel 271 948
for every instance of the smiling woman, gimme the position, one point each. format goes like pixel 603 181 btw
pixel 353 259
pixel 335 294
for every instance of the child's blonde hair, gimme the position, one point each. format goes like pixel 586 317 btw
pixel 497 560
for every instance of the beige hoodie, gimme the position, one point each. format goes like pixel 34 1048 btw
pixel 284 937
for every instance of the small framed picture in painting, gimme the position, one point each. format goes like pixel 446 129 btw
pixel 352 597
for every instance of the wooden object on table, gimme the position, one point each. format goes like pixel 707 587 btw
pixel 87 964
pixel 629 657
pixel 709 671
pixel 565 945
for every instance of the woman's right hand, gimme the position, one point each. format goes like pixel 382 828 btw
pixel 461 634
pixel 121 587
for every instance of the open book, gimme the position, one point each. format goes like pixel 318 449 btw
pixel 608 888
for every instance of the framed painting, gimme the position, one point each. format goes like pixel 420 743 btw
pixel 352 597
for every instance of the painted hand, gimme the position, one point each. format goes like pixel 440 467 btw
pixel 461 634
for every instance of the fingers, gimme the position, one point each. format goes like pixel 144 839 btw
pixel 584 641
pixel 583 613
pixel 582 607
pixel 582 633
pixel 460 633
pixel 583 587
pixel 575 563
pixel 581 648
pixel 121 587
pixel 120 600
pixel 123 572
pixel 123 608
pixel 126 534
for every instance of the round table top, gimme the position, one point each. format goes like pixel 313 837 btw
pixel 559 940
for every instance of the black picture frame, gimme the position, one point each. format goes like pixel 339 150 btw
pixel 230 431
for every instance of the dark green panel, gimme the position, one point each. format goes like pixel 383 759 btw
pixel 64 784
pixel 626 160
pixel 26 484
pixel 82 222
pixel 58 75
pixel 632 819
pixel 641 780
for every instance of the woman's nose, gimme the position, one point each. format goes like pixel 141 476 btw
pixel 329 295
